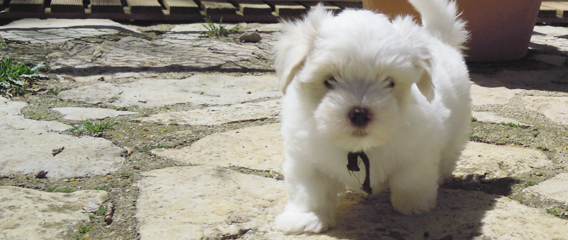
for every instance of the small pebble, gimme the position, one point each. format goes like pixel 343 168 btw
pixel 252 37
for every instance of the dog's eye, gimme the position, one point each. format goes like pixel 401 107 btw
pixel 329 83
pixel 390 82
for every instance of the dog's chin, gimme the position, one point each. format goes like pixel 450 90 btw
pixel 356 140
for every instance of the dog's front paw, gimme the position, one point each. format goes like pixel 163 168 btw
pixel 299 222
pixel 408 206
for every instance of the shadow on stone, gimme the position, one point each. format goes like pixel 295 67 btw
pixel 527 73
pixel 459 214
pixel 500 186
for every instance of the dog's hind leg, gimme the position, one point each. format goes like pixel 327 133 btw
pixel 313 197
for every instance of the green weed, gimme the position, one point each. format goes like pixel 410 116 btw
pixel 93 128
pixel 100 188
pixel 220 31
pixel 13 76
pixel 126 174
pixel 473 119
pixel 84 229
pixel 531 183
pixel 473 137
pixel 101 211
pixel 56 91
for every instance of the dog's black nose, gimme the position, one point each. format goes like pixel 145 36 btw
pixel 360 117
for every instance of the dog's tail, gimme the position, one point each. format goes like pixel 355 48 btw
pixel 441 18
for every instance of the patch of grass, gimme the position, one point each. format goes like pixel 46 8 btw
pixel 166 108
pixel 126 174
pixel 84 229
pixel 473 137
pixel 56 91
pixel 13 76
pixel 93 128
pixel 557 213
pixel 100 188
pixel 62 189
pixel 513 125
pixel 218 31
pixel 121 109
pixel 473 119
pixel 531 183
pixel 101 211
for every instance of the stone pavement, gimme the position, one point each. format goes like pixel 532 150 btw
pixel 226 183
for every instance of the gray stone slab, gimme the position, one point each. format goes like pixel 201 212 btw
pixel 555 108
pixel 27 147
pixel 34 23
pixel 202 202
pixel 490 117
pixel 198 27
pixel 487 161
pixel 219 115
pixel 162 55
pixel 556 31
pixel 32 214
pixel 53 35
pixel 205 201
pixel 29 151
pixel 212 89
pixel 491 95
pixel 78 113
pixel 554 190
pixel 255 147
pixel 11 118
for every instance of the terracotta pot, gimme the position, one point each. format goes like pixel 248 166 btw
pixel 500 29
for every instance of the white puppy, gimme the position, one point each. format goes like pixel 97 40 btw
pixel 358 84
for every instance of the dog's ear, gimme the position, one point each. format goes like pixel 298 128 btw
pixel 425 83
pixel 296 43
pixel 414 33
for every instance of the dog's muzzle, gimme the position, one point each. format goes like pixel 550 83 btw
pixel 360 117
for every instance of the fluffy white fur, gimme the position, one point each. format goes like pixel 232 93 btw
pixel 416 129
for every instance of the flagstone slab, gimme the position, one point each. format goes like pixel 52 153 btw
pixel 219 115
pixel 29 146
pixel 491 95
pixel 50 31
pixel 29 151
pixel 555 108
pixel 168 54
pixel 11 118
pixel 258 148
pixel 554 190
pixel 54 23
pixel 206 202
pixel 32 214
pixel 490 117
pixel 78 113
pixel 492 162
pixel 210 89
